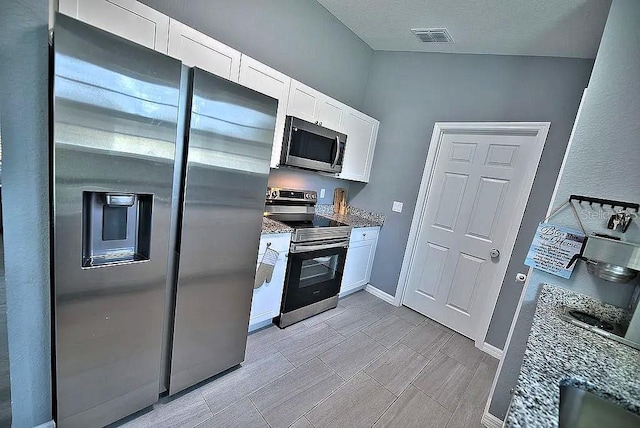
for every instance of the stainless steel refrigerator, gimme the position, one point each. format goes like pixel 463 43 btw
pixel 158 178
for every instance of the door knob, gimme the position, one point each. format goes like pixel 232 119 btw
pixel 494 253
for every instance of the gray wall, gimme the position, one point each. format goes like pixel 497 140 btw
pixel 409 92
pixel 297 37
pixel 605 146
pixel 5 380
pixel 25 194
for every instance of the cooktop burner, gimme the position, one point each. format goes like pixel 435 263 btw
pixel 591 320
pixel 317 221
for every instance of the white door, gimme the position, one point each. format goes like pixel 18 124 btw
pixel 268 81
pixel 126 18
pixel 199 50
pixel 479 184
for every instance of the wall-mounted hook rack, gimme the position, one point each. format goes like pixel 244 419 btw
pixel 603 202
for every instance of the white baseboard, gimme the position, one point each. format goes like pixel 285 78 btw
pixel 350 291
pixel 492 350
pixel 490 421
pixel 379 293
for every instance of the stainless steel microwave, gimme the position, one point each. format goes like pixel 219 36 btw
pixel 310 146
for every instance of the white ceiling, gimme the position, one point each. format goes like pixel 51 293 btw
pixel 563 28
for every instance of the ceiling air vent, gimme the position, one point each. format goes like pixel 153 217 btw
pixel 433 35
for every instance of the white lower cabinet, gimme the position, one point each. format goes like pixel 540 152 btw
pixel 362 250
pixel 267 298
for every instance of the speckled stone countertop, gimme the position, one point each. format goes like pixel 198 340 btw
pixel 355 217
pixel 560 353
pixel 273 226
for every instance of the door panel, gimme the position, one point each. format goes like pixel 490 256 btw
pixel 115 130
pixel 476 186
pixel 126 18
pixel 330 115
pixel 195 49
pixel 432 269
pixel 230 136
pixel 501 155
pixel 362 132
pixel 465 278
pixel 462 152
pixel 487 208
pixel 303 102
pixel 268 81
pixel 450 201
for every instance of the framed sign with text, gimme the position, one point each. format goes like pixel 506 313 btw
pixel 552 249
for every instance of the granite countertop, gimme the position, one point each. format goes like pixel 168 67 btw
pixel 560 353
pixel 355 217
pixel 273 226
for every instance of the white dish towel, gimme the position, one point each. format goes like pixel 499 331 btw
pixel 265 268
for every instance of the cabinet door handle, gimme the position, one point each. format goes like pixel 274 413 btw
pixel 364 235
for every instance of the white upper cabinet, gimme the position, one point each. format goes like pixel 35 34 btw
pixel 330 114
pixel 314 106
pixel 195 49
pixel 362 132
pixel 126 18
pixel 303 102
pixel 268 81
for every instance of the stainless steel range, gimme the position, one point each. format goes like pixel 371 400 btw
pixel 316 257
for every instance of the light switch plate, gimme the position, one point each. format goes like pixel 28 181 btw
pixel 321 193
pixel 397 207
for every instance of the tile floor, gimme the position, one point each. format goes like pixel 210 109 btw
pixel 365 363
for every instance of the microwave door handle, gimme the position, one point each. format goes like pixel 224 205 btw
pixel 335 160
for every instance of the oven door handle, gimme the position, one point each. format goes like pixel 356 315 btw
pixel 303 248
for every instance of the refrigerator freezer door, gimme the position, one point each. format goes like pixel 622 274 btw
pixel 114 137
pixel 229 150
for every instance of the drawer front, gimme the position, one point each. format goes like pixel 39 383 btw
pixel 360 234
pixel 276 241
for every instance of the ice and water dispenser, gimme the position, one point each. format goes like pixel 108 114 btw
pixel 116 228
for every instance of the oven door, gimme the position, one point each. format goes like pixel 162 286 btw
pixel 313 275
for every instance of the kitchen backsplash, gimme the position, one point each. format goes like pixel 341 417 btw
pixel 293 178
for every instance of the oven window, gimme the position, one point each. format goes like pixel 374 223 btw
pixel 318 270
pixel 312 146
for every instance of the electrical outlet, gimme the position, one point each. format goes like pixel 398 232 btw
pixel 321 193
pixel 397 207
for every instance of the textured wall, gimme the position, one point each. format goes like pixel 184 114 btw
pixel 602 162
pixel 25 194
pixel 409 92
